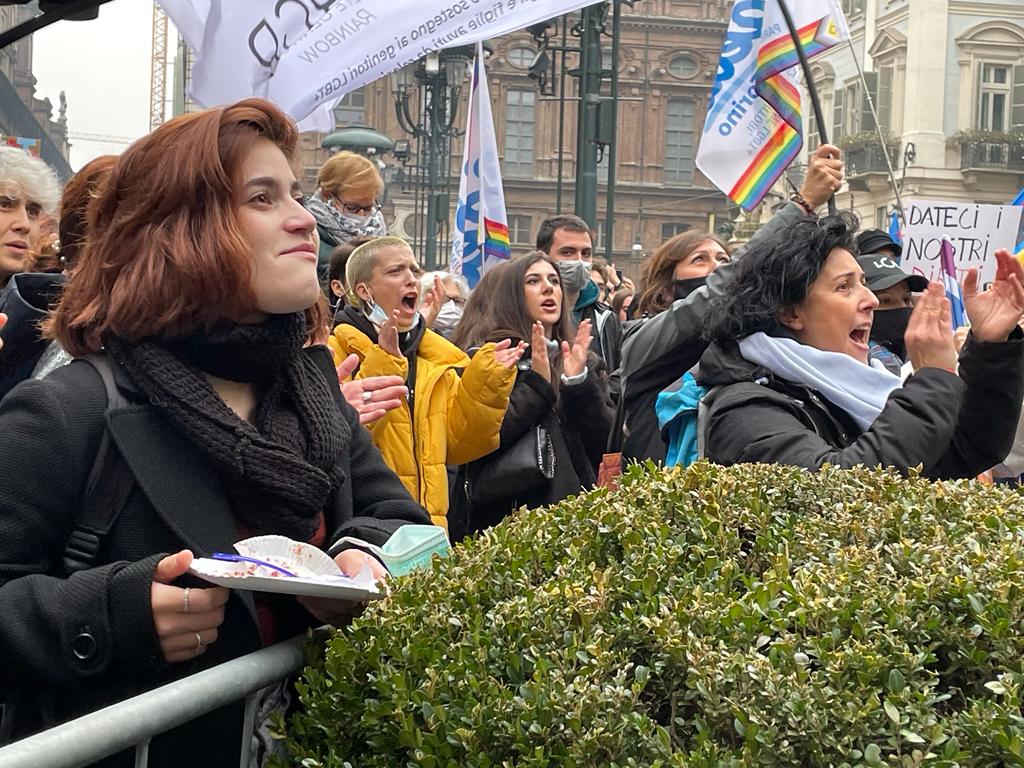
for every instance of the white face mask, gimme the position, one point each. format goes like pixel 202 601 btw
pixel 448 317
pixel 575 275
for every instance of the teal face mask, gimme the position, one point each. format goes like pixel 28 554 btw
pixel 409 548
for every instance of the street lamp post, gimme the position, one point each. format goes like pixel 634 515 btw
pixel 439 76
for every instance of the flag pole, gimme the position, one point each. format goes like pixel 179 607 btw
pixel 878 130
pixel 815 103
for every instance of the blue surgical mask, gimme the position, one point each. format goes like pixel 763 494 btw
pixel 409 548
pixel 376 315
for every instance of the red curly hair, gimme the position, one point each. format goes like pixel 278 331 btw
pixel 164 255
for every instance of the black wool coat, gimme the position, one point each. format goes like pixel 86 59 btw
pixel 952 425
pixel 578 421
pixel 76 644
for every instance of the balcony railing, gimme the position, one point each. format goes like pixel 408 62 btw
pixel 868 159
pixel 989 155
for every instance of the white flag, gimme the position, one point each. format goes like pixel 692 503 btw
pixel 753 126
pixel 304 55
pixel 480 238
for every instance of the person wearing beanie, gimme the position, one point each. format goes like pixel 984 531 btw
pixel 878 241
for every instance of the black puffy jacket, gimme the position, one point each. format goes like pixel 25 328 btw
pixel 953 425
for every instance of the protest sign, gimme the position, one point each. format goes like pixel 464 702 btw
pixel 976 230
pixel 304 55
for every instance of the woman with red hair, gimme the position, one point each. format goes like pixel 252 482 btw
pixel 198 286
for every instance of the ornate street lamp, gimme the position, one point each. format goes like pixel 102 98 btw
pixel 435 81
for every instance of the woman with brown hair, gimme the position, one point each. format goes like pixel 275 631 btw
pixel 679 266
pixel 345 203
pixel 198 291
pixel 561 388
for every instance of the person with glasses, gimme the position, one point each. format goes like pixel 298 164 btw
pixel 345 204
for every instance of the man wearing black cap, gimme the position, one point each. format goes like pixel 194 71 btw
pixel 893 288
pixel 878 241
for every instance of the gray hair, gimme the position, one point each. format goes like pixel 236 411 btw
pixel 35 180
pixel 460 282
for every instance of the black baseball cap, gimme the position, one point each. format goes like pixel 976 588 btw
pixel 874 240
pixel 881 272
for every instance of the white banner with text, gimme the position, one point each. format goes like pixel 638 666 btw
pixel 304 55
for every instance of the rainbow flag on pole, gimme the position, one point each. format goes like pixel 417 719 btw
pixel 480 238
pixel 753 127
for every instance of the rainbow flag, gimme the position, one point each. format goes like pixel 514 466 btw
pixel 480 237
pixel 753 129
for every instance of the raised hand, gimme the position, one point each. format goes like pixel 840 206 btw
pixel 373 396
pixel 929 335
pixel 432 302
pixel 186 620
pixel 824 175
pixel 506 355
pixel 3 322
pixel 995 312
pixel 387 336
pixel 539 353
pixel 340 612
pixel 574 358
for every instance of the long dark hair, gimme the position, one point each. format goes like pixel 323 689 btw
pixel 496 310
pixel 776 273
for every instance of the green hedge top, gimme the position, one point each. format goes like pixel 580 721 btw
pixel 752 615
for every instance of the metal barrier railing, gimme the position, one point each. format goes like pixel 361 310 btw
pixel 133 722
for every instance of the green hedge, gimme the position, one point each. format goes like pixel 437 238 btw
pixel 753 615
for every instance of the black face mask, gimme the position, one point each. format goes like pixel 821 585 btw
pixel 683 288
pixel 888 328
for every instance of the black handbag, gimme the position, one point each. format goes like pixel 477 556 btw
pixel 511 472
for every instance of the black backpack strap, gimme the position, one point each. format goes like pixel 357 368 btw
pixel 108 487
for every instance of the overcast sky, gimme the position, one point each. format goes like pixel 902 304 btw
pixel 104 67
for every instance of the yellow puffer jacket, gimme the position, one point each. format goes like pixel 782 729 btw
pixel 457 418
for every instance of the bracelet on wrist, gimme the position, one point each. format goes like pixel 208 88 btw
pixel 579 378
pixel 797 198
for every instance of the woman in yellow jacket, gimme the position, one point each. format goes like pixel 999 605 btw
pixel 455 405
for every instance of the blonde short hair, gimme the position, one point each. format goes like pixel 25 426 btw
pixel 35 179
pixel 363 260
pixel 349 174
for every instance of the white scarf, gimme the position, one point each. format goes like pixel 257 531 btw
pixel 860 390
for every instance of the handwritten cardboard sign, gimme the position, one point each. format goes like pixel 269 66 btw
pixel 976 230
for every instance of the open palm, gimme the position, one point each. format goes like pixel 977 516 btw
pixel 995 312
pixel 574 358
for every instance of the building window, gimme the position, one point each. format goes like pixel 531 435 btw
pixel 851 119
pixel 883 103
pixel 683 66
pixel 994 97
pixel 679 140
pixel 519 230
pixel 599 236
pixel 882 217
pixel 672 229
pixel 519 120
pixel 351 110
pixel 813 135
pixel 521 57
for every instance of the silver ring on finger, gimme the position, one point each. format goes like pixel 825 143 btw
pixel 185 600
pixel 367 397
pixel 199 643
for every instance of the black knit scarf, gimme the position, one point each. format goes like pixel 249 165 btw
pixel 279 472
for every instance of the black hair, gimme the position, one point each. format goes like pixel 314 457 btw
pixel 548 227
pixel 774 273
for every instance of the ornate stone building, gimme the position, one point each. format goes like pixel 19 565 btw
pixel 668 57
pixel 21 113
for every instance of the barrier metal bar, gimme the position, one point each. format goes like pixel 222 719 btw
pixel 134 721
